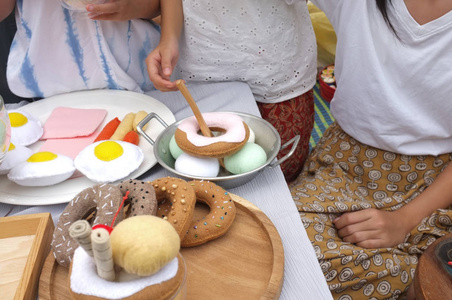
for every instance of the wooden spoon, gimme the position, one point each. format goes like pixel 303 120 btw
pixel 202 123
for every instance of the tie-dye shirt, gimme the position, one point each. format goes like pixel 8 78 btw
pixel 56 51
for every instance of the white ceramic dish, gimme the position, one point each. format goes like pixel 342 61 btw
pixel 117 104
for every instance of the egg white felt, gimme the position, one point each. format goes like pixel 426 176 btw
pixel 109 161
pixel 14 156
pixel 25 128
pixel 42 169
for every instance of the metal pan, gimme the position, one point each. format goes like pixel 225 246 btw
pixel 266 136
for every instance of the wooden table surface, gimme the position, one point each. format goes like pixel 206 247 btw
pixel 433 279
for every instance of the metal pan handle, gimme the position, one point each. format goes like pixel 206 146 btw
pixel 146 120
pixel 294 141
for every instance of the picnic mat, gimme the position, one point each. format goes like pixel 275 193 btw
pixel 323 117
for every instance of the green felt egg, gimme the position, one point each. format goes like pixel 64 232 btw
pixel 174 148
pixel 250 157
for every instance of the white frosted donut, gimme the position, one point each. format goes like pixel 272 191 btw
pixel 235 134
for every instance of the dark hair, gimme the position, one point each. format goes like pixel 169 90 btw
pixel 383 8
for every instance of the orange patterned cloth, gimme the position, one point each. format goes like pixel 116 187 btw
pixel 290 118
pixel 343 175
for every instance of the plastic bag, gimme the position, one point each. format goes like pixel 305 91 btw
pixel 325 35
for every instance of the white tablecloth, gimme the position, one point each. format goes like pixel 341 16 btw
pixel 303 278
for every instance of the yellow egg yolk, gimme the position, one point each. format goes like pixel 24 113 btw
pixel 108 151
pixel 17 119
pixel 11 147
pixel 42 157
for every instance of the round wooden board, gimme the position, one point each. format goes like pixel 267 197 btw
pixel 246 263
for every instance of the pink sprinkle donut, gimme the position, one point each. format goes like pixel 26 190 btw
pixel 235 134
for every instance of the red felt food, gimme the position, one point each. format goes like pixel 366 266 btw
pixel 67 122
pixel 132 137
pixel 108 130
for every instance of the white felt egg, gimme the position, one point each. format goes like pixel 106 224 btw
pixel 42 169
pixel 14 156
pixel 252 138
pixel 197 166
pixel 109 161
pixel 25 129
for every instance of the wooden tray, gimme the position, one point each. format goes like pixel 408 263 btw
pixel 24 245
pixel 246 263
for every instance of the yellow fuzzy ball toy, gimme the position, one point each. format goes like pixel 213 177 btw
pixel 142 245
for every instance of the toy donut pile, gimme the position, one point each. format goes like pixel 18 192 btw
pixel 130 246
pixel 70 142
pixel 327 76
pixel 233 143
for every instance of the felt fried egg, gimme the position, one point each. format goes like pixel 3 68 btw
pixel 42 169
pixel 14 156
pixel 25 129
pixel 109 161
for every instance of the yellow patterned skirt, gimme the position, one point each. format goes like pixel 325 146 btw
pixel 343 175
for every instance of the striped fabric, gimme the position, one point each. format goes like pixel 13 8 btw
pixel 323 117
pixel 57 51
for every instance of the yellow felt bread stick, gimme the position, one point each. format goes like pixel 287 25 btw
pixel 138 117
pixel 124 127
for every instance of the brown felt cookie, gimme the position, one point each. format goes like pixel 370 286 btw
pixel 102 201
pixel 141 197
pixel 176 202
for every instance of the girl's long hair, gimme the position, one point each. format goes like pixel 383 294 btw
pixel 383 8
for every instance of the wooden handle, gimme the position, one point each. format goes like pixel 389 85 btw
pixel 202 123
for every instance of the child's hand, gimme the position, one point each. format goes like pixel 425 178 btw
pixel 122 10
pixel 160 63
pixel 372 228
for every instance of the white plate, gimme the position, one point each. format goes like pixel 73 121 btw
pixel 117 104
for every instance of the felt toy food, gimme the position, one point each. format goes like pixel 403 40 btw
pixel 69 122
pixel 235 135
pixel 104 200
pixel 141 196
pixel 109 161
pixel 14 156
pixel 102 204
pixel 217 222
pixel 197 166
pixel 96 243
pixel 42 169
pixel 147 249
pixel 108 130
pixel 25 129
pixel 125 126
pixel 142 245
pixel 174 149
pixel 139 116
pixel 176 200
pixel 132 137
pixel 250 157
